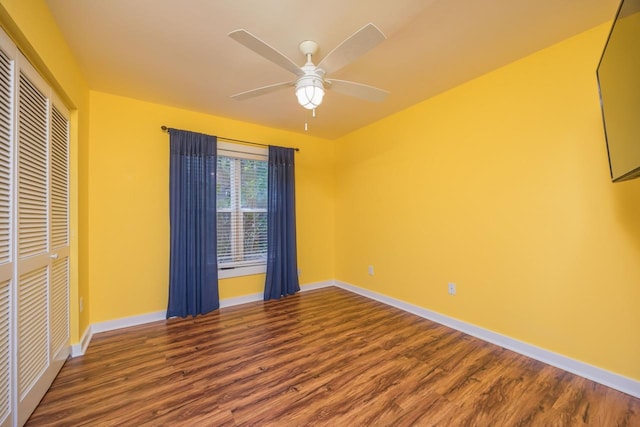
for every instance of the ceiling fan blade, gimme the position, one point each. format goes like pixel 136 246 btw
pixel 358 90
pixel 261 91
pixel 263 49
pixel 360 42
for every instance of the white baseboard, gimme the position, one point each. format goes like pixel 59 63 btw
pixel 80 348
pixel 244 299
pixel 317 285
pixel 230 302
pixel 599 375
pixel 126 322
pixel 110 325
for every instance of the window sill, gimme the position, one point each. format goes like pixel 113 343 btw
pixel 242 271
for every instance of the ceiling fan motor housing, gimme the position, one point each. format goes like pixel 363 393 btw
pixel 308 47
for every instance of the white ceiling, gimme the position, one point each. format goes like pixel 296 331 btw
pixel 177 52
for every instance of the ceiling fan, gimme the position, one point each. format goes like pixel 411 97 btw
pixel 310 81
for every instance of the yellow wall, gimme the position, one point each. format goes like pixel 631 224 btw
pixel 32 27
pixel 501 186
pixel 129 208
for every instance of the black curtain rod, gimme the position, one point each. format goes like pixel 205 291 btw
pixel 166 129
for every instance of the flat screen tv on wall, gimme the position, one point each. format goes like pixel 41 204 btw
pixel 619 82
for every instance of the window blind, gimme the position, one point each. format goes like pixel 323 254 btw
pixel 241 191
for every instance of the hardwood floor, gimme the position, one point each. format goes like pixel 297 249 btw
pixel 324 357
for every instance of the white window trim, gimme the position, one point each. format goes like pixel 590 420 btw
pixel 242 271
pixel 246 152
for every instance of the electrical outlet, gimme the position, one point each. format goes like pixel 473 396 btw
pixel 371 270
pixel 452 288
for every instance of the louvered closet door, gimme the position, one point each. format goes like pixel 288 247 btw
pixel 6 264
pixel 33 239
pixel 59 236
pixel 34 236
pixel 42 241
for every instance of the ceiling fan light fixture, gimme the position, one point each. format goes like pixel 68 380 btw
pixel 309 91
pixel 310 78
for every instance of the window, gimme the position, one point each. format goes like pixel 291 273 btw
pixel 241 193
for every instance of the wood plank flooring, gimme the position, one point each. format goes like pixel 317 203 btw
pixel 325 357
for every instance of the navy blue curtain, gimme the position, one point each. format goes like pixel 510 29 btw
pixel 193 269
pixel 282 262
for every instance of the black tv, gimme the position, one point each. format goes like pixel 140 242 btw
pixel 618 76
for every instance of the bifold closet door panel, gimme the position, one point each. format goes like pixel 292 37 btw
pixel 6 211
pixel 42 231
pixel 32 239
pixel 59 235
